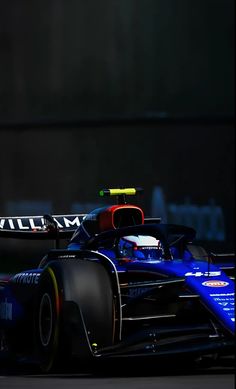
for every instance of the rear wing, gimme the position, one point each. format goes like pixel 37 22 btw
pixel 45 227
pixel 40 227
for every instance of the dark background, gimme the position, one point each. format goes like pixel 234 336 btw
pixel 73 58
pixel 111 93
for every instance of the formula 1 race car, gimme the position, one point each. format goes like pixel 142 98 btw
pixel 124 286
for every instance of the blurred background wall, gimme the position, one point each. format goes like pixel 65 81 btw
pixel 76 58
pixel 105 93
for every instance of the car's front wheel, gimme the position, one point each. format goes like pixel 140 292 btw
pixel 74 312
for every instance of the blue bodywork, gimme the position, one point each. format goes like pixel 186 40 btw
pixel 169 289
pixel 214 287
pixel 219 299
pixel 207 280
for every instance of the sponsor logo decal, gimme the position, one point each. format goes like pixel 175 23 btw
pixel 37 222
pixel 222 294
pixel 206 273
pixel 215 283
pixel 135 292
pixel 6 310
pixel 226 301
pixel 91 216
pixel 26 278
pixel 67 256
pixel 224 304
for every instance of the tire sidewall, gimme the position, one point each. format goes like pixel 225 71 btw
pixel 46 320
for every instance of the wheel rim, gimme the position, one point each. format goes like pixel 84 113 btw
pixel 45 319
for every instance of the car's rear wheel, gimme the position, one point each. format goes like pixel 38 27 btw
pixel 47 321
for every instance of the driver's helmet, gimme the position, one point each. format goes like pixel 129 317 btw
pixel 140 247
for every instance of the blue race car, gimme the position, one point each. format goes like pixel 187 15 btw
pixel 124 286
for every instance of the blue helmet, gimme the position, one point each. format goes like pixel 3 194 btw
pixel 140 247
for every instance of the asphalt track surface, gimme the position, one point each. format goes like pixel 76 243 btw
pixel 125 376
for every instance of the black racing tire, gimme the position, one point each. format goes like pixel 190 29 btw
pixel 74 301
